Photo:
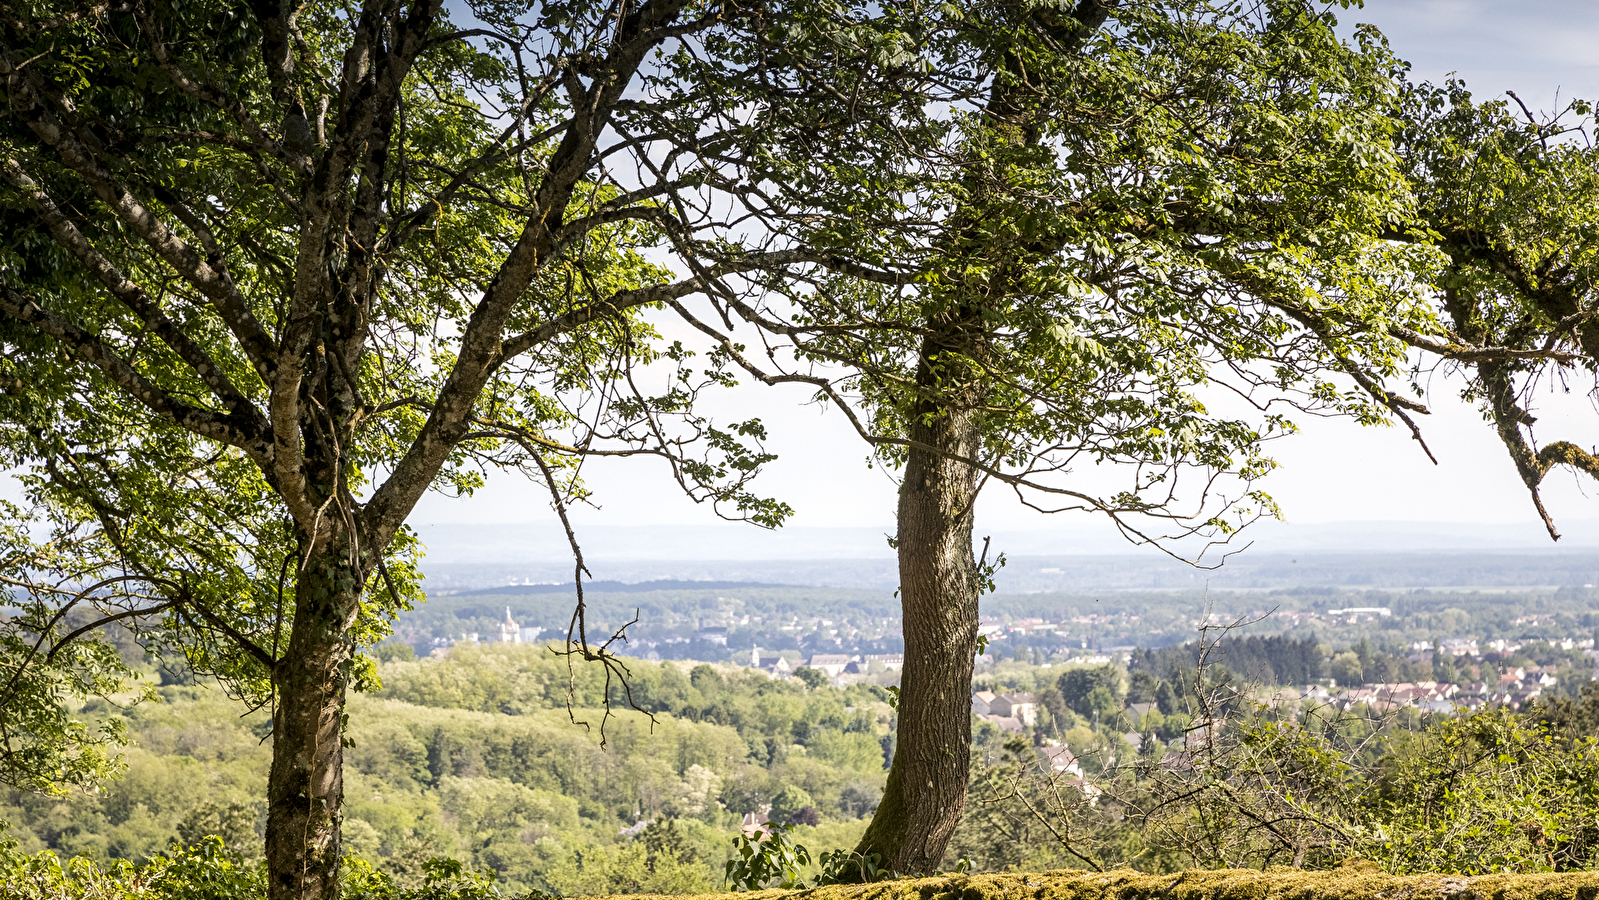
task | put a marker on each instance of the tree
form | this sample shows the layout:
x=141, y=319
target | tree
x=1054, y=703
x=790, y=802
x=271, y=272
x=1135, y=210
x=262, y=291
x=1347, y=669
x=813, y=678
x=666, y=840
x=1509, y=199
x=1141, y=687
x=1090, y=689
x=1312, y=788
x=1166, y=698
x=43, y=746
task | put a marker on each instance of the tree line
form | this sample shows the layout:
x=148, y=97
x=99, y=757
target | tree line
x=475, y=759
x=273, y=272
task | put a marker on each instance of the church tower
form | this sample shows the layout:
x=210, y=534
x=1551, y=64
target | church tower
x=509, y=632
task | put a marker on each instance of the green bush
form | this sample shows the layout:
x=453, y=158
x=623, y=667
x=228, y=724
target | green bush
x=208, y=870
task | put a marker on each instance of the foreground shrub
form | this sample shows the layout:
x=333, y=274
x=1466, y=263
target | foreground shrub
x=207, y=870
x=204, y=871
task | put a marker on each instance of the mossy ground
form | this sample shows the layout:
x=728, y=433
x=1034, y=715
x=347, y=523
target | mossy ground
x=1225, y=884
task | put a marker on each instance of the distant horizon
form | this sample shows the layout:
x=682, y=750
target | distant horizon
x=542, y=523
x=546, y=571
x=888, y=523
x=544, y=543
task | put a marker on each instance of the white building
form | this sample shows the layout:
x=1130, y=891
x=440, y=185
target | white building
x=831, y=663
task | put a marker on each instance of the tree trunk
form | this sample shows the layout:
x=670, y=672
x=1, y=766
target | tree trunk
x=926, y=789
x=305, y=791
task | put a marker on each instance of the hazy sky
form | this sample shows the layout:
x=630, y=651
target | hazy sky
x=1333, y=471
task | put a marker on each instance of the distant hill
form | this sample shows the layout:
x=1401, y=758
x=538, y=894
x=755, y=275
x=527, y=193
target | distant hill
x=1249, y=571
x=543, y=544
x=615, y=587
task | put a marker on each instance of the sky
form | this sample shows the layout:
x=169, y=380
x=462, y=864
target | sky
x=1333, y=471
x=1537, y=48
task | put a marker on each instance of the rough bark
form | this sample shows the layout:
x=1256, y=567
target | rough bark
x=305, y=790
x=926, y=789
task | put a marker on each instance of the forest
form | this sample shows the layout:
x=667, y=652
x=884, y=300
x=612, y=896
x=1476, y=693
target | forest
x=476, y=758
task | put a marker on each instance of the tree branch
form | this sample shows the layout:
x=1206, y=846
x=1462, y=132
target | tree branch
x=208, y=280
x=260, y=140
x=133, y=296
x=88, y=347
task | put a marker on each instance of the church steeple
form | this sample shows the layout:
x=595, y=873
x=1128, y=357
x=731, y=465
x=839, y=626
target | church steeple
x=510, y=633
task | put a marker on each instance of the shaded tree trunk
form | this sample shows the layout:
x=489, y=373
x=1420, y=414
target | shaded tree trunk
x=305, y=790
x=926, y=789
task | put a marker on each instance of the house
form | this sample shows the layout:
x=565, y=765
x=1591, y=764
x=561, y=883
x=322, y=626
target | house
x=1281, y=697
x=891, y=661
x=1201, y=734
x=776, y=666
x=1137, y=711
x=1180, y=761
x=983, y=703
x=1060, y=759
x=1020, y=706
x=715, y=634
x=832, y=664
x=1004, y=723
x=1024, y=707
x=1089, y=791
x=1518, y=699
x=1066, y=772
